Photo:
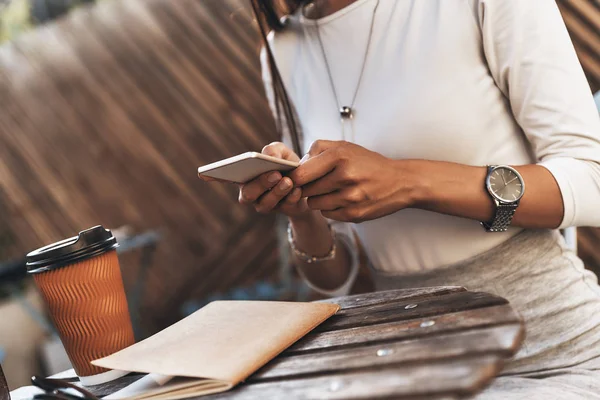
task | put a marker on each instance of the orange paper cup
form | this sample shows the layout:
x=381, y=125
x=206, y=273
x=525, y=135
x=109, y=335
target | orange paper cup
x=80, y=281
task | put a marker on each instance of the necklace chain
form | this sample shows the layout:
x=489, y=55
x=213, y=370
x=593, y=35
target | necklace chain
x=347, y=112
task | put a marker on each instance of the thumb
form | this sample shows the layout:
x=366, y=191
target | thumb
x=319, y=146
x=280, y=150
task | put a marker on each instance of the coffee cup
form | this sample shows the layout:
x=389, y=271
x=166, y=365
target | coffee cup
x=80, y=281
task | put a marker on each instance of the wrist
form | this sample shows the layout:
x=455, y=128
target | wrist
x=312, y=233
x=416, y=190
x=306, y=220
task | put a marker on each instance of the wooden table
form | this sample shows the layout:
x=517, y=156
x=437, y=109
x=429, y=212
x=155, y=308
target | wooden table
x=3, y=386
x=429, y=343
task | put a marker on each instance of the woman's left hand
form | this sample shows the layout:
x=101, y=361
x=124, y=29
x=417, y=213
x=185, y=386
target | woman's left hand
x=352, y=184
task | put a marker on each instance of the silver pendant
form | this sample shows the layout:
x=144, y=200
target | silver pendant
x=346, y=112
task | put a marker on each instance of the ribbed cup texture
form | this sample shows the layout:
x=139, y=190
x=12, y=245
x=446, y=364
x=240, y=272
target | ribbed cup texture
x=88, y=306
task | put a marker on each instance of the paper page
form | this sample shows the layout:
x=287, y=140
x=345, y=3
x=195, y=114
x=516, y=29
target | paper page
x=178, y=388
x=225, y=340
x=143, y=385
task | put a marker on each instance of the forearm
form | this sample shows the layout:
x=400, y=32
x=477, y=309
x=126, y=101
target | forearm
x=459, y=190
x=312, y=236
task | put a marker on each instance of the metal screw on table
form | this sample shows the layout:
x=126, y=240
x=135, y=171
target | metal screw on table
x=375, y=349
x=336, y=386
x=384, y=352
x=410, y=306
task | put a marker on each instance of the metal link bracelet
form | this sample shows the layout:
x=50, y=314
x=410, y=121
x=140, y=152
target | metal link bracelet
x=307, y=258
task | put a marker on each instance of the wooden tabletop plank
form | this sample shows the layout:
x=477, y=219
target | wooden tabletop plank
x=463, y=320
x=367, y=299
x=4, y=392
x=420, y=304
x=501, y=340
x=441, y=379
x=432, y=343
x=381, y=313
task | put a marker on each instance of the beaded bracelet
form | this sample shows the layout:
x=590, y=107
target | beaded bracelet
x=307, y=257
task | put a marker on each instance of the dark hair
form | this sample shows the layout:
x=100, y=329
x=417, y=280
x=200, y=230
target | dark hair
x=270, y=15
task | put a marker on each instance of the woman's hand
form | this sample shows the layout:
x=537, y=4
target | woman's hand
x=347, y=182
x=273, y=192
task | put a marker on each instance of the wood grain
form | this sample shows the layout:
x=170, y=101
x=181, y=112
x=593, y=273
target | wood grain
x=105, y=116
x=401, y=330
x=501, y=340
x=450, y=356
x=443, y=379
x=582, y=18
x=369, y=299
x=4, y=391
x=430, y=307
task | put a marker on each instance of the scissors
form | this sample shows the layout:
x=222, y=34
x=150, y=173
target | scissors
x=58, y=389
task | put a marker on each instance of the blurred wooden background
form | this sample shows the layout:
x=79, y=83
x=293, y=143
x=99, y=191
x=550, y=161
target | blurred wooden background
x=106, y=114
x=582, y=18
x=105, y=117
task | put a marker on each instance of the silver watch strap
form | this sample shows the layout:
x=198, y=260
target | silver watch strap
x=502, y=218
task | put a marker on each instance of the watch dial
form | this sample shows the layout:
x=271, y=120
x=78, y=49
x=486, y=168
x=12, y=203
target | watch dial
x=505, y=184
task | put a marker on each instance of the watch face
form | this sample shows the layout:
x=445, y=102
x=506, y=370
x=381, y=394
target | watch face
x=506, y=184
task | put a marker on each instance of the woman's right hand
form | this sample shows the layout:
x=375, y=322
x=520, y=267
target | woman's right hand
x=273, y=192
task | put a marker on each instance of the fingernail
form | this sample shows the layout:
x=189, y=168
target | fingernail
x=285, y=184
x=274, y=177
x=303, y=159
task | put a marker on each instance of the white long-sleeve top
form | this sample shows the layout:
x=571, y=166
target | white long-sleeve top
x=475, y=82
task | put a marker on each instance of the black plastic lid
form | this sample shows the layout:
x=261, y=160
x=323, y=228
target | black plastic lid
x=87, y=244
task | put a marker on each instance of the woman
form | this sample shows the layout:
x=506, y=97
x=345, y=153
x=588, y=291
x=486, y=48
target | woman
x=412, y=113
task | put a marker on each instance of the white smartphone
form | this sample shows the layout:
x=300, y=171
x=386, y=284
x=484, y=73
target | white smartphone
x=245, y=167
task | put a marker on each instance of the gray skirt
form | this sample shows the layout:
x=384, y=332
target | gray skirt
x=558, y=299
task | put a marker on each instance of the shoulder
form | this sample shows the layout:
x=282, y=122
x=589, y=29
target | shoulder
x=512, y=11
x=287, y=38
x=285, y=46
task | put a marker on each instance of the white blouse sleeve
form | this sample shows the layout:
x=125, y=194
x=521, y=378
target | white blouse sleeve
x=533, y=62
x=345, y=236
x=344, y=232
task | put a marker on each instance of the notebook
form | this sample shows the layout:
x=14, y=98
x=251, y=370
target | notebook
x=215, y=348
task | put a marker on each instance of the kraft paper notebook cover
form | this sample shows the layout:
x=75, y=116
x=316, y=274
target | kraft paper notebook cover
x=218, y=346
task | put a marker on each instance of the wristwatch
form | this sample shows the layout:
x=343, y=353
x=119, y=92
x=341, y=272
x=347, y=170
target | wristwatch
x=506, y=187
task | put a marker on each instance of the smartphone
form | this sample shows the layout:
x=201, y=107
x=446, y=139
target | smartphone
x=245, y=167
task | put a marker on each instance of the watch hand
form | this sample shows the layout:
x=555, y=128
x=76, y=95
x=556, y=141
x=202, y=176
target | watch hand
x=512, y=180
x=503, y=180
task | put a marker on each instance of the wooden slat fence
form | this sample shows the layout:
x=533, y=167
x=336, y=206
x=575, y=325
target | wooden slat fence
x=105, y=117
x=582, y=18
x=106, y=114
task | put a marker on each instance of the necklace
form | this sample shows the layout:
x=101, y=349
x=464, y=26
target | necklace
x=347, y=112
